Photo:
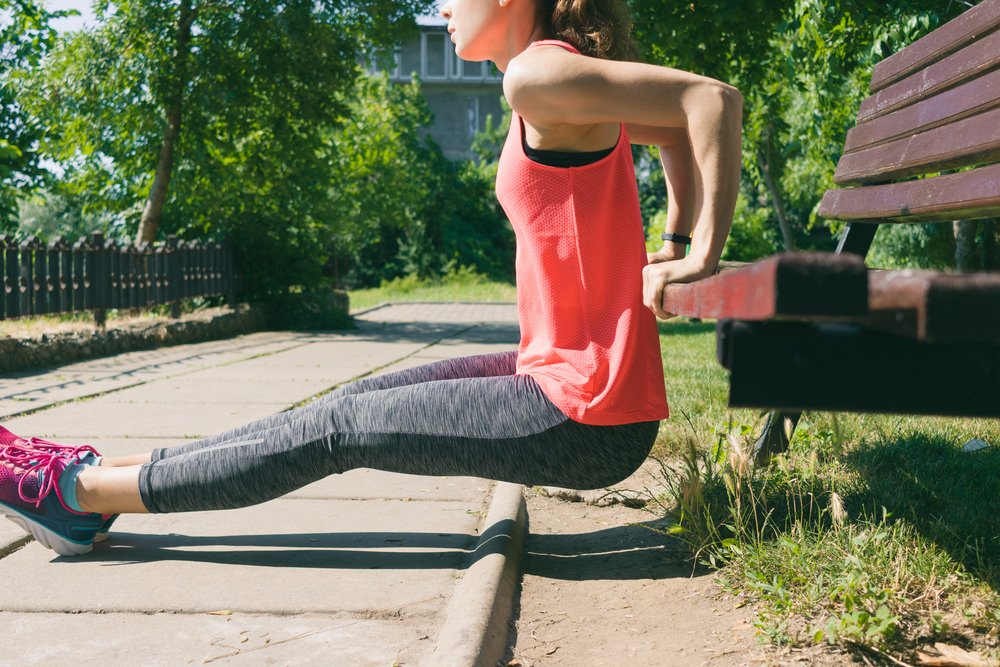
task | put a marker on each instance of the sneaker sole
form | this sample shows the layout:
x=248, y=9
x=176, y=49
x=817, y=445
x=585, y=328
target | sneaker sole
x=46, y=537
x=102, y=532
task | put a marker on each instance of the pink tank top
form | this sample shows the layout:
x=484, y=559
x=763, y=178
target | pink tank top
x=586, y=337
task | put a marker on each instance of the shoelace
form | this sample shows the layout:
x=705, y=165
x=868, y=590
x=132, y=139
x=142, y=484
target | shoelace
x=66, y=451
x=46, y=465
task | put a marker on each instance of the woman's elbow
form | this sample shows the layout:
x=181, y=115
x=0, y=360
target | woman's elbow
x=719, y=104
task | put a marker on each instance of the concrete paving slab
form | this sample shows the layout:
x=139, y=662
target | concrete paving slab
x=454, y=350
x=11, y=536
x=100, y=640
x=105, y=416
x=193, y=355
x=335, y=353
x=320, y=365
x=359, y=546
x=365, y=484
x=33, y=391
x=282, y=557
x=196, y=390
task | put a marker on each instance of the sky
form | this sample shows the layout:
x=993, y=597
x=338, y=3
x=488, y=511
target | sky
x=69, y=24
x=87, y=18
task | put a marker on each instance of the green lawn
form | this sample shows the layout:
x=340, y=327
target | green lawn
x=874, y=530
x=460, y=285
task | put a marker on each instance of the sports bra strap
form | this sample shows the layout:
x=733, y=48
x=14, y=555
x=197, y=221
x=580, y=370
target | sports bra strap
x=555, y=42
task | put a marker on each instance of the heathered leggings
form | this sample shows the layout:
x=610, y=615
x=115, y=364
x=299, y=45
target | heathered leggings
x=468, y=416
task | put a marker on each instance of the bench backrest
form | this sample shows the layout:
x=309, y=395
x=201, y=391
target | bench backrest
x=935, y=107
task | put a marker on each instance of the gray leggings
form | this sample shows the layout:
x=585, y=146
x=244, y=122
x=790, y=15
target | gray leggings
x=468, y=416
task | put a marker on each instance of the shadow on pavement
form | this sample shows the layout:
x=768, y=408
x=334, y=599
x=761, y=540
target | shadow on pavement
x=624, y=553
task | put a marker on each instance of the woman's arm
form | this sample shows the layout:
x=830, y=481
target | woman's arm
x=675, y=156
x=552, y=88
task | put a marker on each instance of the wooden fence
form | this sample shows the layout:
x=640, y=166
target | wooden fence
x=95, y=274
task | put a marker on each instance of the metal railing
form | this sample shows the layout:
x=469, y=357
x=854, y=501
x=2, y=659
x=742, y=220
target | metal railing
x=95, y=274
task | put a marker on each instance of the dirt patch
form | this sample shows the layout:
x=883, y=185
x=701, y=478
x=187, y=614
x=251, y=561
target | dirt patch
x=596, y=591
x=599, y=589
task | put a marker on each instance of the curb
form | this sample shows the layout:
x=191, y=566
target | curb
x=475, y=634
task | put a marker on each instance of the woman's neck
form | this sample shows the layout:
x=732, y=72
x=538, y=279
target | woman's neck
x=518, y=44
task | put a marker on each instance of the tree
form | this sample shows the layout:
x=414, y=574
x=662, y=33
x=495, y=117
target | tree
x=400, y=207
x=803, y=67
x=203, y=106
x=25, y=37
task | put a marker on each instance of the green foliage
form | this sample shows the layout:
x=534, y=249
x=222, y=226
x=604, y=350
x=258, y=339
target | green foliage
x=913, y=246
x=25, y=38
x=48, y=215
x=261, y=89
x=752, y=236
x=717, y=38
x=803, y=67
x=310, y=311
x=402, y=207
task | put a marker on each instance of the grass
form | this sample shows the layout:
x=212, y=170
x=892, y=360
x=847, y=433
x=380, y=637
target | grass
x=462, y=284
x=873, y=530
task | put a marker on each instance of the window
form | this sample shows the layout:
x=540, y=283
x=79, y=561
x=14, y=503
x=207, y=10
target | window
x=389, y=65
x=435, y=58
x=471, y=70
x=410, y=59
x=473, y=115
x=456, y=62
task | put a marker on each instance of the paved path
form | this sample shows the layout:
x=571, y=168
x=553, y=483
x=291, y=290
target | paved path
x=356, y=569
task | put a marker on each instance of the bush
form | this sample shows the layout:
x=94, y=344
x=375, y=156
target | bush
x=401, y=207
x=753, y=235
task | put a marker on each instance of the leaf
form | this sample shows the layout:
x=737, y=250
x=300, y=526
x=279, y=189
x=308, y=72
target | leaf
x=946, y=655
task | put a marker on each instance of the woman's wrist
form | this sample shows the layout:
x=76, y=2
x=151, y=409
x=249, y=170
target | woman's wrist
x=701, y=265
x=672, y=251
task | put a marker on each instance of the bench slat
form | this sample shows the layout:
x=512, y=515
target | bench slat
x=972, y=141
x=947, y=39
x=964, y=196
x=967, y=100
x=954, y=70
x=933, y=306
x=790, y=285
x=829, y=367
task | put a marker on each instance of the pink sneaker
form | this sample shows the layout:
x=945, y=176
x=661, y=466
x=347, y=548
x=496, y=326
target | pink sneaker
x=27, y=480
x=20, y=448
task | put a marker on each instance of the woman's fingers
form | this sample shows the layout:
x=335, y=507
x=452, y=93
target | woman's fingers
x=654, y=279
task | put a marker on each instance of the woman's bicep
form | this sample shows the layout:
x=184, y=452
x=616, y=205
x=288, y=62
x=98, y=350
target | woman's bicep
x=649, y=135
x=549, y=85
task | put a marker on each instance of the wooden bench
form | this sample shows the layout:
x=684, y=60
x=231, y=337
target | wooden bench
x=819, y=331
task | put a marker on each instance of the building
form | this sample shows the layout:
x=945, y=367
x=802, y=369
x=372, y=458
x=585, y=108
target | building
x=460, y=93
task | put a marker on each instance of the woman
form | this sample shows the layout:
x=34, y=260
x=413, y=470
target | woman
x=579, y=403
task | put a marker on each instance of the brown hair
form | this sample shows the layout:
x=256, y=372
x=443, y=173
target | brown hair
x=597, y=28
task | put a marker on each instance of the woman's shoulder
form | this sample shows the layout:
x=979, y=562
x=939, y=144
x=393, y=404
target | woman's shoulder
x=538, y=79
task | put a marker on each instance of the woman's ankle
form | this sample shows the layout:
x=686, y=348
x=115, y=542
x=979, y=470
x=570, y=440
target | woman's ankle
x=124, y=461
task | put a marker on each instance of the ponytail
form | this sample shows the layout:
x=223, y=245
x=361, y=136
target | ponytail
x=597, y=28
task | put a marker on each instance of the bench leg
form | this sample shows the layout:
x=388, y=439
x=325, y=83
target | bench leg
x=773, y=439
x=857, y=238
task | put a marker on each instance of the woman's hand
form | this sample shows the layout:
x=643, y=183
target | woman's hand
x=661, y=272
